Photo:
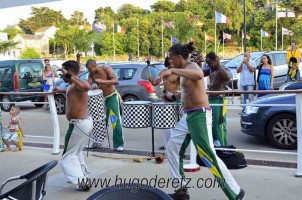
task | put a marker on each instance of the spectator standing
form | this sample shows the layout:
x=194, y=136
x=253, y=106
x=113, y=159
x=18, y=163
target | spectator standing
x=48, y=81
x=247, y=81
x=265, y=74
x=293, y=57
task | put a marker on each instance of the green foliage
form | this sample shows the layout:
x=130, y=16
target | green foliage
x=75, y=33
x=5, y=46
x=12, y=32
x=77, y=18
x=41, y=17
x=30, y=53
x=163, y=6
x=183, y=30
x=64, y=37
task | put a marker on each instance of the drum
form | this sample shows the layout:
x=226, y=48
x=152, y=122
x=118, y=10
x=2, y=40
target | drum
x=165, y=115
x=96, y=107
x=136, y=114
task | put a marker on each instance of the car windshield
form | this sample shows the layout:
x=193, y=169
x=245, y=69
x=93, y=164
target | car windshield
x=235, y=62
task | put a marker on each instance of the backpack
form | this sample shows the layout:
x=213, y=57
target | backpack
x=232, y=159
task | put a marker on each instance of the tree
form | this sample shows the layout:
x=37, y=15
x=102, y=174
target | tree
x=128, y=10
x=12, y=32
x=77, y=18
x=7, y=45
x=183, y=30
x=163, y=6
x=30, y=53
x=103, y=14
x=41, y=17
x=64, y=37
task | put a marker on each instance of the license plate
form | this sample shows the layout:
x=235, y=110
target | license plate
x=34, y=84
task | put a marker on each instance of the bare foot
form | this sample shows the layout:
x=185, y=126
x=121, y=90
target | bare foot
x=16, y=149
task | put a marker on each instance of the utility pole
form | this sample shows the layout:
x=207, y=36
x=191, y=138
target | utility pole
x=244, y=26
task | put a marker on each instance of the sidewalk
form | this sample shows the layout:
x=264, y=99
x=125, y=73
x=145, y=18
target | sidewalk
x=263, y=183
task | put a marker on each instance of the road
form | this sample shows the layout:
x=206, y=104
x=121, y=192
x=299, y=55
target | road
x=37, y=122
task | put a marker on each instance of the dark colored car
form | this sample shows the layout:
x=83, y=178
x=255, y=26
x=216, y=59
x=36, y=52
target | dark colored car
x=20, y=76
x=133, y=83
x=276, y=123
x=291, y=86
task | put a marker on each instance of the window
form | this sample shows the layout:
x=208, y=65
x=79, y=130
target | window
x=5, y=72
x=117, y=72
x=151, y=70
x=30, y=70
x=128, y=73
x=280, y=59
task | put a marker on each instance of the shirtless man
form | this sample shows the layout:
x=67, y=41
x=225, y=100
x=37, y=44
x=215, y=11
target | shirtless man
x=171, y=85
x=195, y=124
x=80, y=124
x=105, y=79
x=219, y=77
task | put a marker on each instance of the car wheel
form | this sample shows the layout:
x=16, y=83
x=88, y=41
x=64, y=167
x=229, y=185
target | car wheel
x=38, y=100
x=60, y=102
x=6, y=106
x=130, y=98
x=282, y=131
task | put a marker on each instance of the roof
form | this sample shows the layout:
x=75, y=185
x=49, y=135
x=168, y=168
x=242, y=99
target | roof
x=43, y=29
x=30, y=37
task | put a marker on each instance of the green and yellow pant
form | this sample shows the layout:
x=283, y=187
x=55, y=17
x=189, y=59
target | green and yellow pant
x=112, y=103
x=219, y=129
x=197, y=125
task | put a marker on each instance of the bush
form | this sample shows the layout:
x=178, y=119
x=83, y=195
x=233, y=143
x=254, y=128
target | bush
x=30, y=53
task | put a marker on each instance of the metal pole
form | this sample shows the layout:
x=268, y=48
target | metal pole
x=282, y=39
x=113, y=42
x=215, y=38
x=162, y=38
x=137, y=40
x=244, y=26
x=299, y=134
x=55, y=124
x=276, y=43
x=261, y=40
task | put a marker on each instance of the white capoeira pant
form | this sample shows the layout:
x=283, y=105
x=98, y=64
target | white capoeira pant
x=72, y=163
x=197, y=125
x=166, y=135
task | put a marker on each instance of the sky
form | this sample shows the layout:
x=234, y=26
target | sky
x=10, y=16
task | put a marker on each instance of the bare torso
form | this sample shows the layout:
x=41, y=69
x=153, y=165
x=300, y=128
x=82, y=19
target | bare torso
x=193, y=92
x=102, y=73
x=77, y=103
x=171, y=83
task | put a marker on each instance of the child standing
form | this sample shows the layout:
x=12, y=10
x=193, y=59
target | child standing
x=15, y=133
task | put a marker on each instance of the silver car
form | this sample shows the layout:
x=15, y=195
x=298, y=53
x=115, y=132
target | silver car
x=278, y=60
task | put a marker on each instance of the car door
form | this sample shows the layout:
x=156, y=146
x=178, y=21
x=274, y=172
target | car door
x=280, y=69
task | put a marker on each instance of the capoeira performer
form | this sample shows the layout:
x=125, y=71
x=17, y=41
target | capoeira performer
x=80, y=125
x=171, y=87
x=105, y=79
x=195, y=124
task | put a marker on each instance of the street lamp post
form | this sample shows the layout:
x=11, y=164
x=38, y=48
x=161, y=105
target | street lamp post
x=244, y=26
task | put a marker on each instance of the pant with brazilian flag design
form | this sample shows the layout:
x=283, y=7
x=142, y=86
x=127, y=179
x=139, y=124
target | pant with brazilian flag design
x=112, y=103
x=197, y=125
x=219, y=120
